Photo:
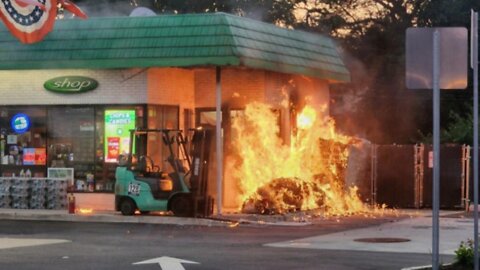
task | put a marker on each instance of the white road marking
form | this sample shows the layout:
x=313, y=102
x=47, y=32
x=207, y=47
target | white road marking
x=6, y=243
x=167, y=263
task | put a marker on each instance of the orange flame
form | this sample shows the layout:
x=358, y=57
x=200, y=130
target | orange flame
x=306, y=118
x=308, y=174
x=85, y=211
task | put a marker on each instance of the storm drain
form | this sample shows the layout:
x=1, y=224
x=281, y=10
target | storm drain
x=381, y=240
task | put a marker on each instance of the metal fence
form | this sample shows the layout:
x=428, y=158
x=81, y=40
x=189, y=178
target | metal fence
x=400, y=176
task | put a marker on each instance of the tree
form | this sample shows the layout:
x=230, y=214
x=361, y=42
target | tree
x=372, y=33
x=275, y=11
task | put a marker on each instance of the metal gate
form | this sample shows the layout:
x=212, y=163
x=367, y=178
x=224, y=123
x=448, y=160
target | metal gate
x=395, y=176
x=401, y=176
x=452, y=177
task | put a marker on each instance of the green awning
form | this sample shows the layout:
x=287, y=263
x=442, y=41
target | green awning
x=192, y=40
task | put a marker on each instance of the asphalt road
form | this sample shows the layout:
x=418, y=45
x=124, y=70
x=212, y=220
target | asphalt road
x=118, y=246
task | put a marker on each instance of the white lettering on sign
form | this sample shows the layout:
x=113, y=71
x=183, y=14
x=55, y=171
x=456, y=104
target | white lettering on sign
x=120, y=119
x=134, y=189
x=72, y=85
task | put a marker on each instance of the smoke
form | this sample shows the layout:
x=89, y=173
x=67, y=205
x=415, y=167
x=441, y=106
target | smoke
x=255, y=13
x=347, y=100
x=376, y=104
x=106, y=8
x=352, y=94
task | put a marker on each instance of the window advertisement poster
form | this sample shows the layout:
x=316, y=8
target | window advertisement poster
x=118, y=124
x=29, y=156
x=34, y=156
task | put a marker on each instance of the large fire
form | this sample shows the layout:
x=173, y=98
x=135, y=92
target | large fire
x=307, y=174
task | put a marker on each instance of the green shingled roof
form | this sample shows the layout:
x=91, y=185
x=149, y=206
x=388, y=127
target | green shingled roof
x=176, y=41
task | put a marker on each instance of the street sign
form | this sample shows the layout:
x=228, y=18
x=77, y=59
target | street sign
x=453, y=49
x=436, y=58
x=474, y=66
x=167, y=263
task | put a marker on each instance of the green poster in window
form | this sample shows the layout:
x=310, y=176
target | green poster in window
x=118, y=124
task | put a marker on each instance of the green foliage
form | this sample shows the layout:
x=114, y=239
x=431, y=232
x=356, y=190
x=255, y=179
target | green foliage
x=460, y=128
x=372, y=33
x=274, y=11
x=464, y=254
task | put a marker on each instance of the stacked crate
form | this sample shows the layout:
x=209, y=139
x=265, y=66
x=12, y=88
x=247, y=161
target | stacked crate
x=19, y=191
x=5, y=199
x=33, y=193
x=56, y=197
x=38, y=193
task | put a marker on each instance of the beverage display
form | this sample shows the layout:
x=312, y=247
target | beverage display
x=33, y=193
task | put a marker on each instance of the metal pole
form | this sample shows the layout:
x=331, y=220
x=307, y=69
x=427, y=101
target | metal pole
x=467, y=179
x=373, y=174
x=219, y=138
x=464, y=165
x=475, y=134
x=436, y=149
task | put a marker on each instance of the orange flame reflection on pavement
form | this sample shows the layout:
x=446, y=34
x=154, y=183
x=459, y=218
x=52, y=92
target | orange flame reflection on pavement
x=85, y=211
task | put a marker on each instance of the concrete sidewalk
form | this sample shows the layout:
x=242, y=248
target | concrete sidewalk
x=408, y=235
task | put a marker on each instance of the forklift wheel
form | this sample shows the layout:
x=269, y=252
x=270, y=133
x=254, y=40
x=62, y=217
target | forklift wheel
x=127, y=207
x=181, y=206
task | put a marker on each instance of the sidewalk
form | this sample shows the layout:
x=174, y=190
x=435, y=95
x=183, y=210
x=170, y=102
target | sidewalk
x=418, y=220
x=228, y=219
x=406, y=235
x=107, y=217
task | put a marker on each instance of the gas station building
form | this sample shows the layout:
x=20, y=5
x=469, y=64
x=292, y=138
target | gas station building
x=74, y=88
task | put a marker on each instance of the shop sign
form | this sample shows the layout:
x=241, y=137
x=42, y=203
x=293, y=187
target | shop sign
x=20, y=123
x=70, y=84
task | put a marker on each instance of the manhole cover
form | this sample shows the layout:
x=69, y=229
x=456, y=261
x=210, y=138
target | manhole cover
x=382, y=240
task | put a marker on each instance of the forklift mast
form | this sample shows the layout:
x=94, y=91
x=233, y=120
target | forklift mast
x=169, y=137
x=200, y=152
x=195, y=148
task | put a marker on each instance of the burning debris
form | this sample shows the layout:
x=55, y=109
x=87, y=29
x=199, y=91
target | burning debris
x=276, y=178
x=283, y=195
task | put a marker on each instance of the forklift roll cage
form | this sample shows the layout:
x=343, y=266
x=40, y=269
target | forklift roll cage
x=168, y=139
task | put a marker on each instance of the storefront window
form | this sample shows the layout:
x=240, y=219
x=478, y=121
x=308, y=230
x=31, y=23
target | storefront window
x=161, y=117
x=71, y=142
x=23, y=141
x=35, y=140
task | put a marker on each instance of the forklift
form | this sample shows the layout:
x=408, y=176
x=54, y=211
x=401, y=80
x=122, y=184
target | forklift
x=141, y=185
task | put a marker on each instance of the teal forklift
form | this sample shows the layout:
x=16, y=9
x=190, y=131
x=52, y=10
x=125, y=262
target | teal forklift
x=142, y=187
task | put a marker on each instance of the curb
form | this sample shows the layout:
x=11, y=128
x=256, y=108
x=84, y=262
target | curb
x=105, y=218
x=113, y=217
x=424, y=267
